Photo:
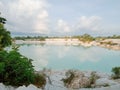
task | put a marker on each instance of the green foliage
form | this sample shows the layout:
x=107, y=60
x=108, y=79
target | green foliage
x=114, y=37
x=2, y=20
x=40, y=38
x=86, y=38
x=5, y=38
x=116, y=72
x=15, y=69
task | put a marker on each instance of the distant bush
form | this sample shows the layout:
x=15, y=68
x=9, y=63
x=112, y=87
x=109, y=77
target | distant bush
x=86, y=38
x=40, y=38
x=116, y=72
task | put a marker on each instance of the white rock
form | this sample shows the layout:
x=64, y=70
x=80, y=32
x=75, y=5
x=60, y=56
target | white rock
x=3, y=87
x=105, y=81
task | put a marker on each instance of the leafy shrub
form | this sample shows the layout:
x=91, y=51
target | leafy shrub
x=86, y=38
x=116, y=72
x=40, y=80
x=69, y=77
x=15, y=69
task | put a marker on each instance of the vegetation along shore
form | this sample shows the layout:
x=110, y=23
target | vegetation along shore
x=110, y=42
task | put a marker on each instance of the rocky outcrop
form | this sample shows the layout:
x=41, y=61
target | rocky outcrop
x=77, y=79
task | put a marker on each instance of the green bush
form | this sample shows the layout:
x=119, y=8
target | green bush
x=86, y=38
x=15, y=69
x=116, y=72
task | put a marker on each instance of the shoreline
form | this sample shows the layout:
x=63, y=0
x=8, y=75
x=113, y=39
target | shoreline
x=113, y=44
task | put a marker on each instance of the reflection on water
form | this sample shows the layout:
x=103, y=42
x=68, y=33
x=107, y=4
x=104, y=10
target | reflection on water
x=71, y=57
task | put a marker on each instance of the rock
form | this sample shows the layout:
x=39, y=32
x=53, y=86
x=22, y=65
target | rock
x=103, y=75
x=3, y=87
x=85, y=82
x=77, y=80
x=105, y=82
x=30, y=87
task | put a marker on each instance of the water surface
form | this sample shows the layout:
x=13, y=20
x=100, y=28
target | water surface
x=61, y=57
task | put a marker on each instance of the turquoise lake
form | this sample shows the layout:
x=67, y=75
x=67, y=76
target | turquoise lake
x=60, y=57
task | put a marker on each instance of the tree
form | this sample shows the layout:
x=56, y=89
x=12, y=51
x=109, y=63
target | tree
x=5, y=38
x=15, y=69
x=2, y=20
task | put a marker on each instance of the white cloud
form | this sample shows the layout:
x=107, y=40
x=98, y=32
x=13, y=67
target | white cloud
x=63, y=26
x=42, y=22
x=92, y=23
x=32, y=16
x=1, y=4
x=27, y=15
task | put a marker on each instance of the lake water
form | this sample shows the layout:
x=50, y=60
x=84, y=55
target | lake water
x=60, y=57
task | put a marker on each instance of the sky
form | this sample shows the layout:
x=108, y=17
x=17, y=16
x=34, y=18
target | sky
x=62, y=17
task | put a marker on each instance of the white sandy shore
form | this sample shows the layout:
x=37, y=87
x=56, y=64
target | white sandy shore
x=56, y=42
x=62, y=41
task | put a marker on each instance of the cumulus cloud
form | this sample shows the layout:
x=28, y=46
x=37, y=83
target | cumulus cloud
x=26, y=15
x=92, y=23
x=0, y=4
x=31, y=16
x=84, y=24
x=63, y=26
x=42, y=22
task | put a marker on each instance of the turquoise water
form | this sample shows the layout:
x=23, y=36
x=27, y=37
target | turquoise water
x=61, y=57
